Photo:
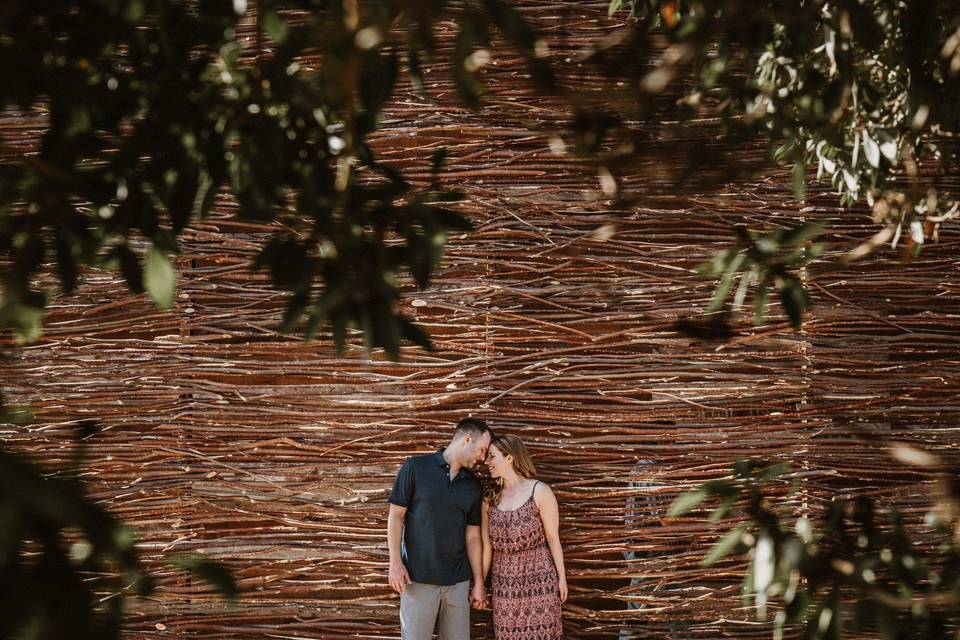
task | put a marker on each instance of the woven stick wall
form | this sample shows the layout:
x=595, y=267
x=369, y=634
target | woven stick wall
x=275, y=456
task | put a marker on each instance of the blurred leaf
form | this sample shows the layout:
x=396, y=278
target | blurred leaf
x=159, y=277
x=760, y=298
x=871, y=150
x=275, y=26
x=773, y=471
x=66, y=261
x=720, y=488
x=723, y=509
x=436, y=161
x=725, y=546
x=213, y=573
x=514, y=26
x=795, y=301
x=452, y=220
x=295, y=308
x=414, y=333
x=130, y=268
x=800, y=181
x=686, y=501
x=726, y=282
x=467, y=87
x=205, y=196
x=413, y=61
x=377, y=78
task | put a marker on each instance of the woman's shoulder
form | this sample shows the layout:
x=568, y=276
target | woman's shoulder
x=542, y=491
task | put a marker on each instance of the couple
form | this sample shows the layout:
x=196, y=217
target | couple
x=442, y=530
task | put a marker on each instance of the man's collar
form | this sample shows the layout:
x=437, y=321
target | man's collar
x=438, y=458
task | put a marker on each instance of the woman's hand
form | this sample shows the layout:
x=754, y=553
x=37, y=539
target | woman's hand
x=563, y=589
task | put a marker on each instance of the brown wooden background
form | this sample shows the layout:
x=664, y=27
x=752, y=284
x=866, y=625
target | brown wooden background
x=224, y=437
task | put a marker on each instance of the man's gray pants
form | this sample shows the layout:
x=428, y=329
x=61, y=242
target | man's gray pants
x=424, y=605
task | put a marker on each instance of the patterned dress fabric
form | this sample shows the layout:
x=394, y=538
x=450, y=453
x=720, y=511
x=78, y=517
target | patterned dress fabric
x=526, y=594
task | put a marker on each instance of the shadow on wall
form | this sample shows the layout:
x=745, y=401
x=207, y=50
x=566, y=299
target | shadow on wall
x=644, y=509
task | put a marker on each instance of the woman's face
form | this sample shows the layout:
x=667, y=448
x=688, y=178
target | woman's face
x=497, y=462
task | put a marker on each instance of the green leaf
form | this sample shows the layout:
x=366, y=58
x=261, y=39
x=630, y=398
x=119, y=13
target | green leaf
x=773, y=471
x=467, y=87
x=784, y=150
x=339, y=326
x=723, y=509
x=159, y=277
x=718, y=263
x=800, y=181
x=414, y=333
x=802, y=233
x=795, y=301
x=413, y=60
x=760, y=299
x=723, y=289
x=512, y=23
x=436, y=161
x=275, y=26
x=206, y=194
x=725, y=545
x=451, y=219
x=66, y=260
x=871, y=149
x=213, y=573
x=24, y=316
x=686, y=502
x=720, y=488
x=378, y=76
x=130, y=267
x=295, y=308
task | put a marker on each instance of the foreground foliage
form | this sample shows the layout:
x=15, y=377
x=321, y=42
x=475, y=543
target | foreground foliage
x=154, y=110
x=867, y=92
x=854, y=569
x=68, y=567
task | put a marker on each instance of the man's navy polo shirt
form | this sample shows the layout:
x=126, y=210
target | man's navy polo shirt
x=434, y=544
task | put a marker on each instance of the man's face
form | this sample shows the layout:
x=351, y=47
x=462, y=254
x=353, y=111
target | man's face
x=477, y=447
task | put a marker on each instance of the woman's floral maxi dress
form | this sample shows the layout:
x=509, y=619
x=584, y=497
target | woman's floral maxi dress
x=526, y=594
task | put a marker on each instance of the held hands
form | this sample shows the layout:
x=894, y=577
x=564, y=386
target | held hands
x=399, y=578
x=478, y=596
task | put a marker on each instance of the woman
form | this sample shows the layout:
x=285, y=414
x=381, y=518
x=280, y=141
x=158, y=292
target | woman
x=519, y=528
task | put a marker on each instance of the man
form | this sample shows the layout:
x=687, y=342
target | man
x=433, y=533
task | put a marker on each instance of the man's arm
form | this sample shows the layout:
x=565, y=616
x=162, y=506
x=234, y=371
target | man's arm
x=399, y=578
x=478, y=597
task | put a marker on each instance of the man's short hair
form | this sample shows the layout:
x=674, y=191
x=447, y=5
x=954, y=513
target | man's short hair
x=472, y=426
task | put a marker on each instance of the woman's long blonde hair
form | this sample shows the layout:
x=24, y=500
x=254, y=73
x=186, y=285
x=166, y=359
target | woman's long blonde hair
x=522, y=462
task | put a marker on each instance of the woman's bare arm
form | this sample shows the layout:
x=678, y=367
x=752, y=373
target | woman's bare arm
x=550, y=515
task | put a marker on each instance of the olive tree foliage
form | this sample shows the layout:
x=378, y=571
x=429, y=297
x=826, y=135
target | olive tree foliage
x=154, y=108
x=67, y=566
x=854, y=568
x=865, y=92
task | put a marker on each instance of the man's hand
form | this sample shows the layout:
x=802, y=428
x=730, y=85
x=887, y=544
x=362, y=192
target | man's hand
x=478, y=596
x=399, y=578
